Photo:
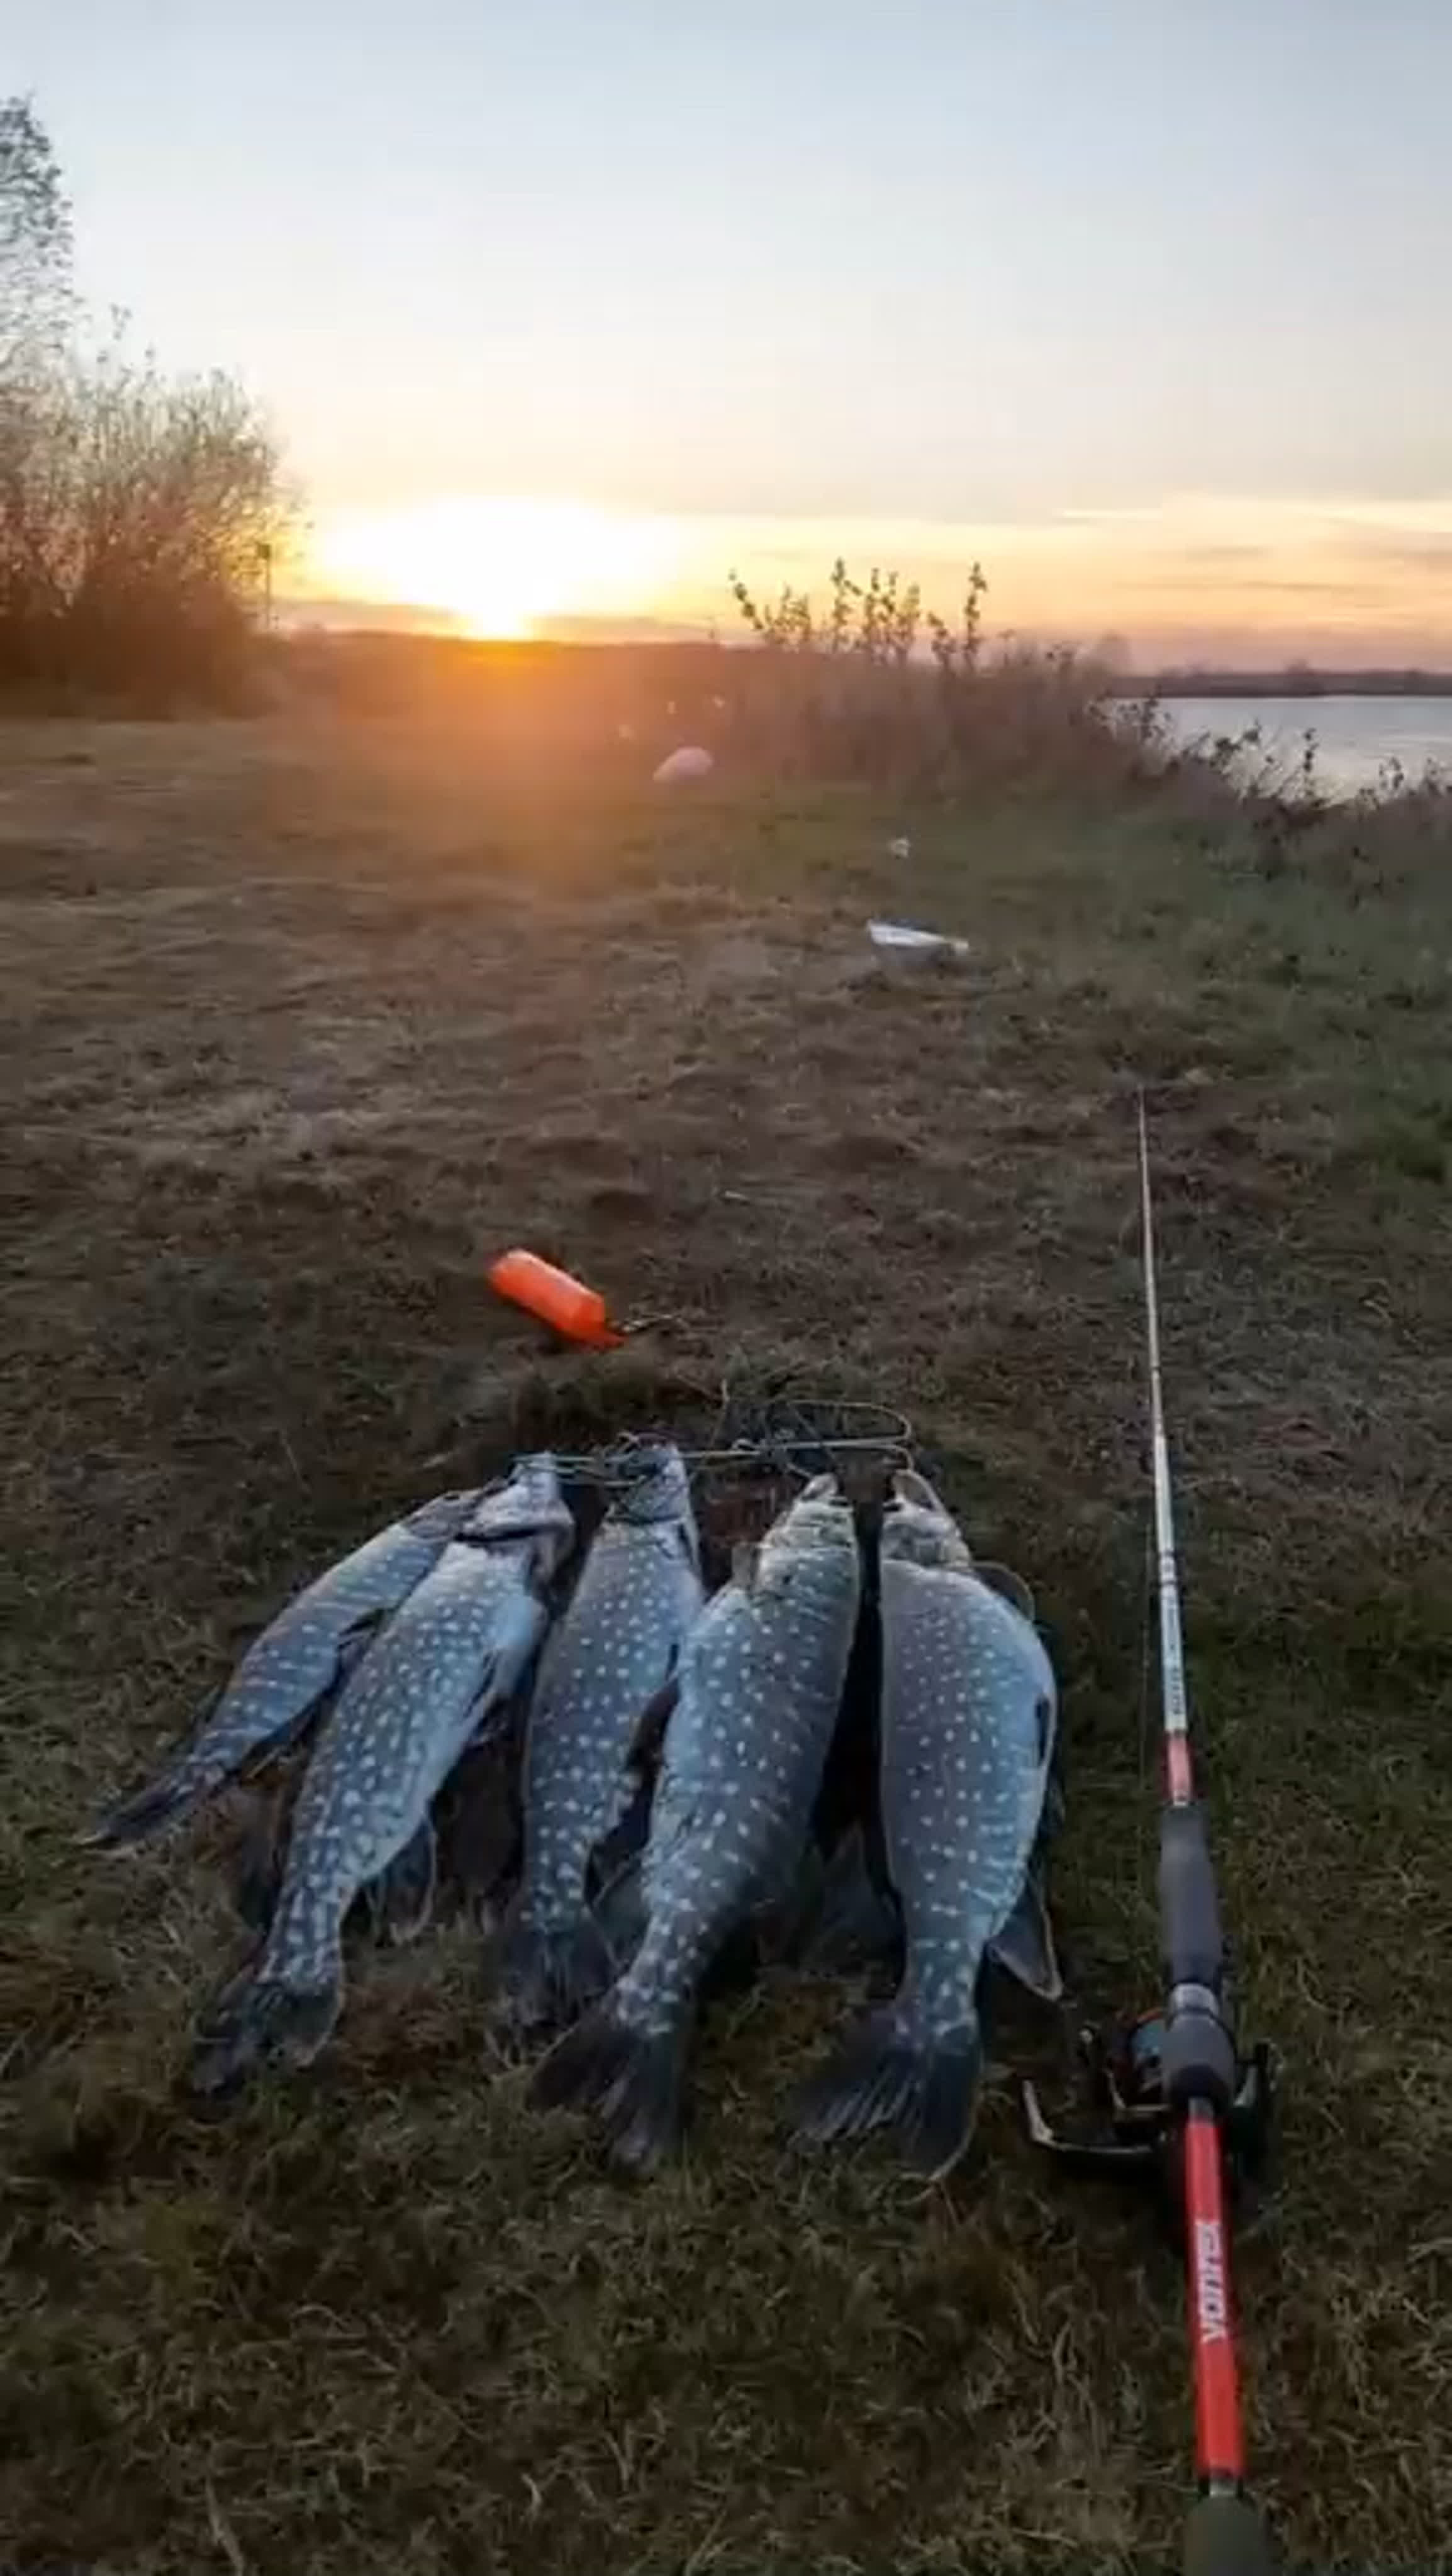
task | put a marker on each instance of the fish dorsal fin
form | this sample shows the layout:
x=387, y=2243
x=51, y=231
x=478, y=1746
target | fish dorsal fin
x=1010, y=1586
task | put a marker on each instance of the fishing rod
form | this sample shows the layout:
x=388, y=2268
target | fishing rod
x=1179, y=2102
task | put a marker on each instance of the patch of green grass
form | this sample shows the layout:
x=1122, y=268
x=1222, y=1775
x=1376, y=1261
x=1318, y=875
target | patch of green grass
x=300, y=1026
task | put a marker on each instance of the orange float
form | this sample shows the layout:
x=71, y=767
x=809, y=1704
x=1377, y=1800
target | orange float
x=564, y=1303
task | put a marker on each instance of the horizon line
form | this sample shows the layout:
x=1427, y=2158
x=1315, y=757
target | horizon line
x=401, y=620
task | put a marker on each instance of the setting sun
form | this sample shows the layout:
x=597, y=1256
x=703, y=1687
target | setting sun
x=497, y=567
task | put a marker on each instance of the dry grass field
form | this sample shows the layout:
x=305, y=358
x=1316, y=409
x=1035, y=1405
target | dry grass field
x=300, y=1023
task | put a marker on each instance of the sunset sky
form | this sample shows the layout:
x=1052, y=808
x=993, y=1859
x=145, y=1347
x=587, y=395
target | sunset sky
x=563, y=310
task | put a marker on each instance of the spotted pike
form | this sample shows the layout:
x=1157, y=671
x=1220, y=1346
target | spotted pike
x=289, y=1670
x=761, y=1680
x=448, y=1662
x=968, y=1711
x=613, y=1653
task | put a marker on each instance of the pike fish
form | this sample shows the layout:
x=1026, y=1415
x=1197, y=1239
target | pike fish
x=445, y=1667
x=761, y=1681
x=614, y=1652
x=289, y=1670
x=968, y=1716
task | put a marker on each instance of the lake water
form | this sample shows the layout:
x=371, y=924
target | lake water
x=1354, y=736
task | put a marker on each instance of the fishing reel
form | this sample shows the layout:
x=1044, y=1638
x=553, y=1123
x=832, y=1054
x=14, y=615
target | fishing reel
x=1137, y=2136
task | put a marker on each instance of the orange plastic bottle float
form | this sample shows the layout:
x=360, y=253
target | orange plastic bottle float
x=571, y=1309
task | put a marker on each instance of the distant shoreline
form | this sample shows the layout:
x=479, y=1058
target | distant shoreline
x=1281, y=684
x=402, y=639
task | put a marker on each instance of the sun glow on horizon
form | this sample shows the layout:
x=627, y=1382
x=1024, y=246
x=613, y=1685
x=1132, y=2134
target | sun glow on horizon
x=1184, y=579
x=498, y=567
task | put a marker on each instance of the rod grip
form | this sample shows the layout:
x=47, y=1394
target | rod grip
x=1199, y=2051
x=1226, y=2536
x=1189, y=1906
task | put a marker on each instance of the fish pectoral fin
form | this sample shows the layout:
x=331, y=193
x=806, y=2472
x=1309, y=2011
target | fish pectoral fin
x=642, y=1762
x=1025, y=1947
x=401, y=1897
x=1010, y=1587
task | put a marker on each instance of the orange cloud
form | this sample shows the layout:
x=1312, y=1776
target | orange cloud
x=1262, y=580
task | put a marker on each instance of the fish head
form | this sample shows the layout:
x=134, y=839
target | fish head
x=529, y=1505
x=649, y=1483
x=918, y=1528
x=443, y=1515
x=819, y=1521
x=652, y=1491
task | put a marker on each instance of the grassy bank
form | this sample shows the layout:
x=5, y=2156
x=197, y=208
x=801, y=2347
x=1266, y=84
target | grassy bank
x=303, y=1019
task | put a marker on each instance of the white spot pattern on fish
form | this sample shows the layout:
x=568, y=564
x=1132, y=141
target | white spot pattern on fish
x=292, y=1666
x=636, y=1602
x=760, y=1687
x=965, y=1680
x=454, y=1652
x=966, y=1724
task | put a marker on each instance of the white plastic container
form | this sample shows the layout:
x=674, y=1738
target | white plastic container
x=905, y=934
x=691, y=761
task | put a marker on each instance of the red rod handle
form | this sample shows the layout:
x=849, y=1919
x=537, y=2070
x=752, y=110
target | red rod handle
x=1219, y=2443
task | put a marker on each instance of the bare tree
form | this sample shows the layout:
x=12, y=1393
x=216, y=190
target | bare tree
x=35, y=241
x=139, y=513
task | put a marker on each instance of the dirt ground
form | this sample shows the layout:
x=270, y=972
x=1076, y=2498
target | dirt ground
x=301, y=1025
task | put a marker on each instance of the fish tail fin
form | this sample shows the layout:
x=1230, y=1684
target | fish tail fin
x=546, y=1973
x=135, y=1819
x=633, y=2076
x=262, y=2016
x=890, y=2074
